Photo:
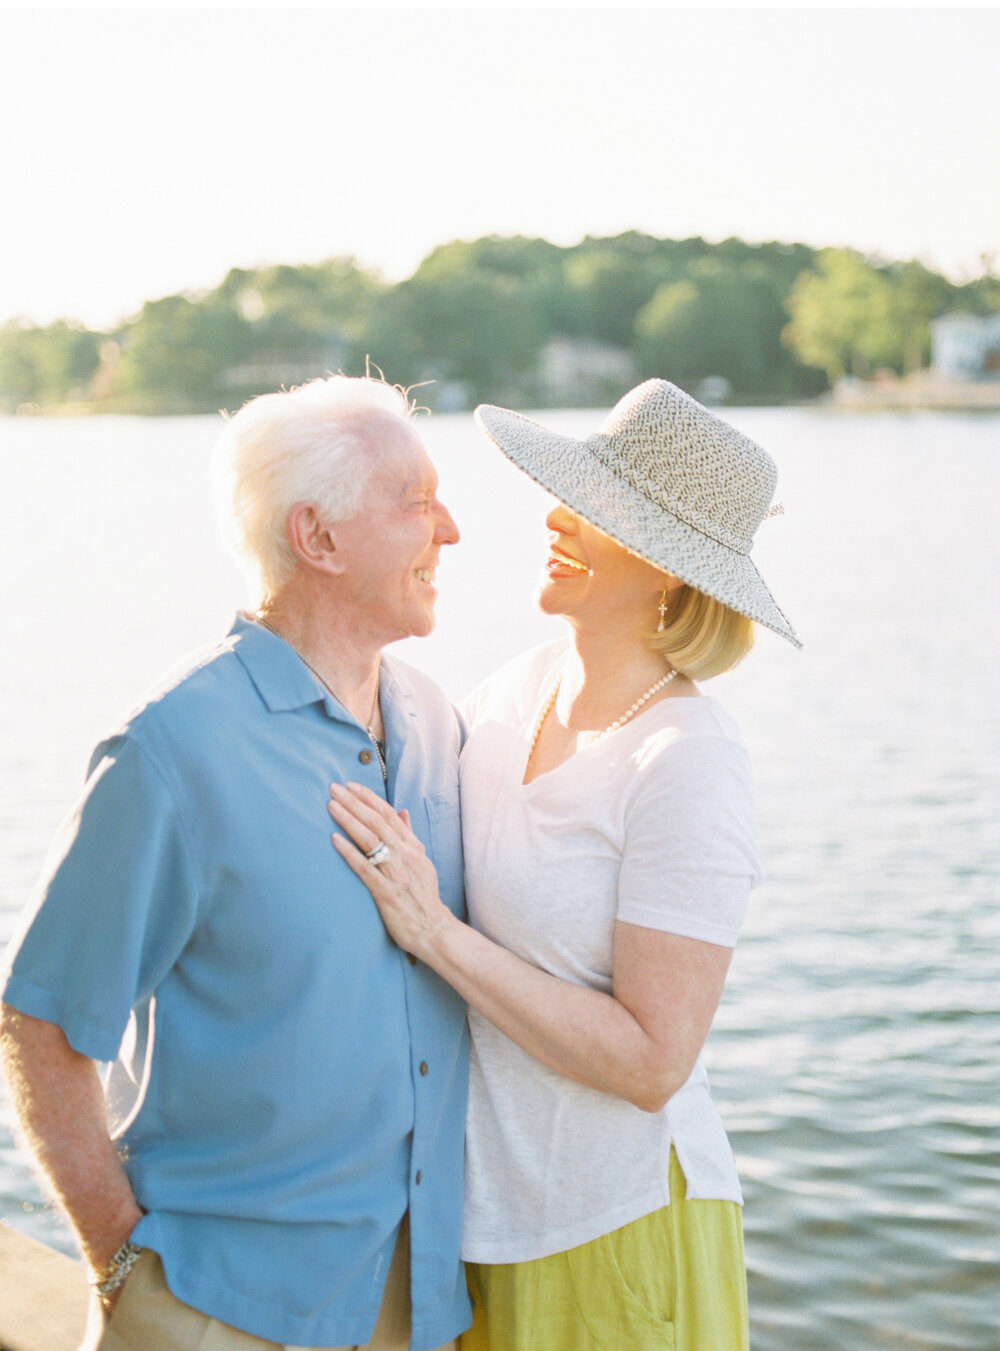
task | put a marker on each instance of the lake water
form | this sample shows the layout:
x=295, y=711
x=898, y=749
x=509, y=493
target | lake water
x=856, y=1057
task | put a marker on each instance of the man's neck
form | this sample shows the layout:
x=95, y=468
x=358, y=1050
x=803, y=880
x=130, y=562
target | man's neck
x=343, y=660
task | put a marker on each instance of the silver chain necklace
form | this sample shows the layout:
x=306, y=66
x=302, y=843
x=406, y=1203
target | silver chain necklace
x=379, y=745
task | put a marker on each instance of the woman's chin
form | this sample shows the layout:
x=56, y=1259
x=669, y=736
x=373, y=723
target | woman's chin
x=548, y=598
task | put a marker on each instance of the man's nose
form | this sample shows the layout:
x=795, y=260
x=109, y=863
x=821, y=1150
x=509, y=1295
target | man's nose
x=447, y=530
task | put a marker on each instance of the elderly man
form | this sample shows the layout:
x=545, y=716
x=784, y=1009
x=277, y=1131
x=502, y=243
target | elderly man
x=277, y=1156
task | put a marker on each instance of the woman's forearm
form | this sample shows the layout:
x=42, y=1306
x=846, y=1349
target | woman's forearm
x=639, y=1043
x=578, y=1032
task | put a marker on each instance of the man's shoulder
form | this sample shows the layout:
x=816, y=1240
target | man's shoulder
x=427, y=694
x=188, y=698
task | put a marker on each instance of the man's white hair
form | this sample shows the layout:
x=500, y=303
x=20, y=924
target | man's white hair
x=308, y=444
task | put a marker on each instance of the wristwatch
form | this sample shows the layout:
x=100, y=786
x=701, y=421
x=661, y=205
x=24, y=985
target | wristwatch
x=109, y=1281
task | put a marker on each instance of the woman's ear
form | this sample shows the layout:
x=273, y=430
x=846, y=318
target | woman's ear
x=669, y=584
x=312, y=542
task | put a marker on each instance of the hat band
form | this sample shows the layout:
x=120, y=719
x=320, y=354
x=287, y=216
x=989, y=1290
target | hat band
x=742, y=549
x=619, y=467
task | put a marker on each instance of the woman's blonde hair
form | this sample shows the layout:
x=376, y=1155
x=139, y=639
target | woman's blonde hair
x=702, y=637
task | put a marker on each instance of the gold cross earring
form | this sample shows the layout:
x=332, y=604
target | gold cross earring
x=663, y=613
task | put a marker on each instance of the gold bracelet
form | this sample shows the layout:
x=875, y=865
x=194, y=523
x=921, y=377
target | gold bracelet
x=105, y=1283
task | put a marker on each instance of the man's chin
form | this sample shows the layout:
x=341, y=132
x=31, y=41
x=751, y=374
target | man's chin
x=422, y=626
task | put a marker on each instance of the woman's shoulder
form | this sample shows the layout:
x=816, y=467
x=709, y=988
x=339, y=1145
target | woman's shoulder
x=689, y=742
x=512, y=692
x=689, y=811
x=700, y=716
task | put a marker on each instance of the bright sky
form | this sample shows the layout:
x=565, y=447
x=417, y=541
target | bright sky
x=145, y=151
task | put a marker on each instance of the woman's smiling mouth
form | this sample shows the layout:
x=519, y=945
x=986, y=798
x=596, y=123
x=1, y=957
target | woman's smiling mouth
x=560, y=564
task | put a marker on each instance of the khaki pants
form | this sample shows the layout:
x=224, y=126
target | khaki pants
x=148, y=1317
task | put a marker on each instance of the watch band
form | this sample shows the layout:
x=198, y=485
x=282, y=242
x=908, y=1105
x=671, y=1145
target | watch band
x=112, y=1278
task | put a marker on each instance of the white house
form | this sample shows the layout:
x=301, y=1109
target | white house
x=583, y=370
x=966, y=346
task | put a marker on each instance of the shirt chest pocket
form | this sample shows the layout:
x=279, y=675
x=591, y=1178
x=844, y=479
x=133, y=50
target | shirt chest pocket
x=444, y=845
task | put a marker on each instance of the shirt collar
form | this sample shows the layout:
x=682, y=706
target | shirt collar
x=280, y=676
x=284, y=682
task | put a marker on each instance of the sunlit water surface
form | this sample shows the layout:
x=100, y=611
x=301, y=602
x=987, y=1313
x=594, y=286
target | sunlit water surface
x=855, y=1058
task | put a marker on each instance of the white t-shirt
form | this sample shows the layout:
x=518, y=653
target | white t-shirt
x=652, y=824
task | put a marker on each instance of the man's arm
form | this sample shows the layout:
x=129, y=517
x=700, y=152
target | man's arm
x=58, y=1097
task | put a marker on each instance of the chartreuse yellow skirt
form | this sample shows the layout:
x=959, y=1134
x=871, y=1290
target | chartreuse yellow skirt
x=674, y=1280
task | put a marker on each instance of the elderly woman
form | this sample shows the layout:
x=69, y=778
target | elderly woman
x=610, y=851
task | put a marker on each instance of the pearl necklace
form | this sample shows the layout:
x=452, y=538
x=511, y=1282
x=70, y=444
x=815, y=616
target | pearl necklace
x=612, y=727
x=379, y=745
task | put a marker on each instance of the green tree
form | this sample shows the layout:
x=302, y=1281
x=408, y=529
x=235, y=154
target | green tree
x=20, y=375
x=173, y=357
x=669, y=334
x=296, y=311
x=844, y=319
x=609, y=281
x=258, y=329
x=469, y=329
x=918, y=296
x=47, y=366
x=533, y=266
x=775, y=319
x=606, y=293
x=724, y=319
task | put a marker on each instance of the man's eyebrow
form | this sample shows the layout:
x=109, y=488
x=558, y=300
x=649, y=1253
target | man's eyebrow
x=425, y=483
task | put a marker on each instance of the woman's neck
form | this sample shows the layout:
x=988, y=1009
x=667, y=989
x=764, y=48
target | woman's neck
x=604, y=674
x=604, y=682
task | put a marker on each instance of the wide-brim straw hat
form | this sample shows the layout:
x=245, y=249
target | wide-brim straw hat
x=667, y=479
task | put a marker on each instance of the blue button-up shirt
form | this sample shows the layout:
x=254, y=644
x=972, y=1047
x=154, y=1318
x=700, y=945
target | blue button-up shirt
x=274, y=1111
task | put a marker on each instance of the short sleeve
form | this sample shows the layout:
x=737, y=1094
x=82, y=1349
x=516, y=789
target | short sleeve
x=471, y=706
x=115, y=905
x=691, y=854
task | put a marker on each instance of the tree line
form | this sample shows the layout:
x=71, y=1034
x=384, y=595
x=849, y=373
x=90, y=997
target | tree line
x=510, y=320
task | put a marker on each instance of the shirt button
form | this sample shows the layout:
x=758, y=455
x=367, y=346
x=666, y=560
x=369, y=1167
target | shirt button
x=411, y=959
x=423, y=1067
x=419, y=1177
x=365, y=757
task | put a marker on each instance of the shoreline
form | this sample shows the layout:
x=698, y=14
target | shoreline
x=923, y=391
x=909, y=394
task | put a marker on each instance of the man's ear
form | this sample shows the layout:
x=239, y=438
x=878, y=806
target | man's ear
x=312, y=542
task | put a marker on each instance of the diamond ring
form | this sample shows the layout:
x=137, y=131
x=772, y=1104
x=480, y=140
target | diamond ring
x=380, y=854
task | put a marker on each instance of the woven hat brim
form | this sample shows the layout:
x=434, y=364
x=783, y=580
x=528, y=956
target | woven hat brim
x=569, y=469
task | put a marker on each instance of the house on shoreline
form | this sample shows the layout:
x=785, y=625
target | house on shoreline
x=964, y=373
x=966, y=346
